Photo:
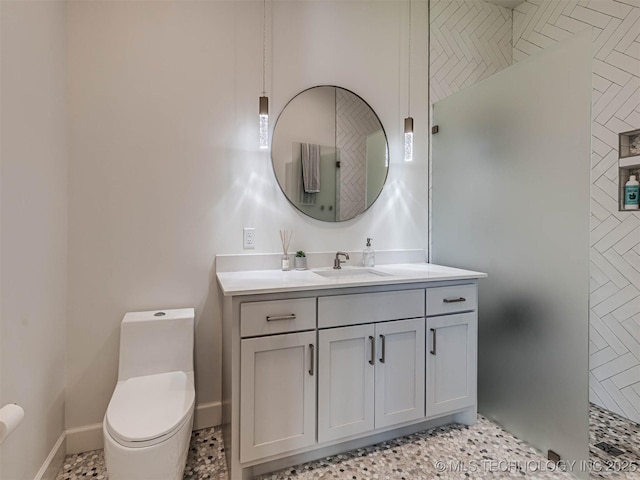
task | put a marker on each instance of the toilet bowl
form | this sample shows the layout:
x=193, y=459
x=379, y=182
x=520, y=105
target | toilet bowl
x=148, y=423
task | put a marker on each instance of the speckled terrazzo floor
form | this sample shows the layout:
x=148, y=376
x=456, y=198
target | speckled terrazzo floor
x=450, y=452
x=205, y=460
x=618, y=432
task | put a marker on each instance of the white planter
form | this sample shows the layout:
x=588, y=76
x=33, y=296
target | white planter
x=301, y=263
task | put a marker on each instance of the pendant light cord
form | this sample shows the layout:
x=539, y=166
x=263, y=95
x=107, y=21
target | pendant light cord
x=429, y=119
x=264, y=45
x=409, y=62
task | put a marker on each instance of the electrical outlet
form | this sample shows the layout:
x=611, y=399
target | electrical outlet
x=249, y=238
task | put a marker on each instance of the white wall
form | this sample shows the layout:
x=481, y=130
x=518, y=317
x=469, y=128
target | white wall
x=165, y=169
x=34, y=229
x=614, y=340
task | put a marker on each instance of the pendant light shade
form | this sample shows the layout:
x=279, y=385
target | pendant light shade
x=263, y=108
x=264, y=122
x=408, y=122
x=408, y=139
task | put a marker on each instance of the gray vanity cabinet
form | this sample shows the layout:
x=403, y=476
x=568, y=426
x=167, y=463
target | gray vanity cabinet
x=371, y=375
x=451, y=358
x=277, y=378
x=400, y=368
x=451, y=363
x=278, y=402
x=346, y=382
x=312, y=373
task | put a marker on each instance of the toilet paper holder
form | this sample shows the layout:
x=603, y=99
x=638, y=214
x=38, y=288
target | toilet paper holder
x=11, y=416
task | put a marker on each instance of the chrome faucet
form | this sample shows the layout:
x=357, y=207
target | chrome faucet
x=337, y=261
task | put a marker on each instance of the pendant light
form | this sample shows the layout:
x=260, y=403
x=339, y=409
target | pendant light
x=263, y=108
x=408, y=122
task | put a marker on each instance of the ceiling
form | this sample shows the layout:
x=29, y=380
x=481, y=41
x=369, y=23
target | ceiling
x=507, y=3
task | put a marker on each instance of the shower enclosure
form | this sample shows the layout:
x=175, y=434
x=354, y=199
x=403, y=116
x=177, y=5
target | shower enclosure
x=471, y=40
x=510, y=197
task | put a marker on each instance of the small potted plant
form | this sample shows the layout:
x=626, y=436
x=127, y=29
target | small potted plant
x=300, y=260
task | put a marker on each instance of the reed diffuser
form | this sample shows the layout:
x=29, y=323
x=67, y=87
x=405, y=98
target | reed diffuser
x=285, y=238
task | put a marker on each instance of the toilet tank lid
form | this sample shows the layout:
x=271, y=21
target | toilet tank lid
x=155, y=315
x=151, y=406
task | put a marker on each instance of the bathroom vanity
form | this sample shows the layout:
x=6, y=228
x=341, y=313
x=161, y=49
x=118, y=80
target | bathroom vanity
x=322, y=361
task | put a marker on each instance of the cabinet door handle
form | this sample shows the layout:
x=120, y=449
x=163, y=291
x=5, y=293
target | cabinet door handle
x=372, y=360
x=433, y=335
x=273, y=318
x=383, y=348
x=313, y=358
x=454, y=300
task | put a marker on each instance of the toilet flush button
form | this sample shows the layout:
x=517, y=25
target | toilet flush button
x=159, y=314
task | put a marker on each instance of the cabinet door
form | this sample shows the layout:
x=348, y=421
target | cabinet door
x=451, y=363
x=278, y=394
x=345, y=381
x=399, y=375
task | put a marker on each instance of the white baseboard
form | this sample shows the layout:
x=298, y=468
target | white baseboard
x=207, y=415
x=84, y=439
x=89, y=437
x=54, y=460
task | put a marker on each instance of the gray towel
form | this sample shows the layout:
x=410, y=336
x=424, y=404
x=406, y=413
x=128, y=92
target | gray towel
x=310, y=156
x=307, y=198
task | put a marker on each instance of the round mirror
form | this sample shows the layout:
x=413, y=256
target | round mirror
x=330, y=153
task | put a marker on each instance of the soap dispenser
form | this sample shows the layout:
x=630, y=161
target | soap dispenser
x=368, y=255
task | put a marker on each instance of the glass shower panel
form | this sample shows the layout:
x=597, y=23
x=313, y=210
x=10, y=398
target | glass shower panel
x=511, y=167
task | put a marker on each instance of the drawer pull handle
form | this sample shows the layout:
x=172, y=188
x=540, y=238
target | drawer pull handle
x=454, y=300
x=372, y=360
x=433, y=335
x=313, y=359
x=383, y=352
x=291, y=316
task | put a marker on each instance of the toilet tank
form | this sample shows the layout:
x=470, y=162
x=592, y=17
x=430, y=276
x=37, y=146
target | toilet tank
x=154, y=342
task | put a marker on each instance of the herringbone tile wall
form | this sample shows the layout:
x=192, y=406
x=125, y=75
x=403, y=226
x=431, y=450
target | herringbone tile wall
x=470, y=40
x=354, y=121
x=615, y=236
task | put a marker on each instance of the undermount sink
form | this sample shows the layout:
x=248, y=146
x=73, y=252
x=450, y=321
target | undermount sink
x=351, y=272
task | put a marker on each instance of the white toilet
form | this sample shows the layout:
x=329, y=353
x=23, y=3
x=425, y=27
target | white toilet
x=147, y=427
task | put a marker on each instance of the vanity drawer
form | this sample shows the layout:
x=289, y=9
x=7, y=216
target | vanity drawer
x=277, y=316
x=457, y=298
x=339, y=310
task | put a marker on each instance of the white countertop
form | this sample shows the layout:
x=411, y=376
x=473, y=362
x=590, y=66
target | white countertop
x=276, y=281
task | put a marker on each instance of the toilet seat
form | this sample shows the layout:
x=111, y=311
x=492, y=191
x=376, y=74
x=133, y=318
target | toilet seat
x=147, y=410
